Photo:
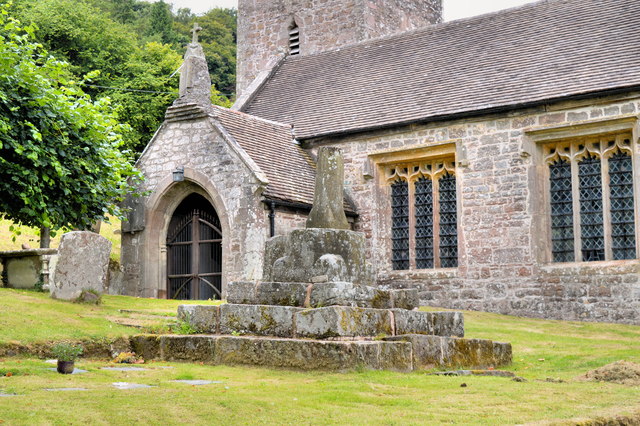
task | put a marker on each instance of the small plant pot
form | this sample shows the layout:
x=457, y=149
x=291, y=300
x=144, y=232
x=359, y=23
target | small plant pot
x=65, y=367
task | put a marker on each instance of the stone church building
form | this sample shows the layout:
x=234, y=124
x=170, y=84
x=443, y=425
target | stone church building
x=491, y=162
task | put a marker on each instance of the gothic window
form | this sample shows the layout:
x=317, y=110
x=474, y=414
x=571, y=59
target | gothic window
x=294, y=39
x=592, y=213
x=400, y=224
x=424, y=219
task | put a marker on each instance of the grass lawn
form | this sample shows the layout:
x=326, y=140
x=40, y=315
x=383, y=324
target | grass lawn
x=560, y=351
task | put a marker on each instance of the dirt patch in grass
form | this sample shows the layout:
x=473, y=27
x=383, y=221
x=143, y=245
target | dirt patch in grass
x=623, y=372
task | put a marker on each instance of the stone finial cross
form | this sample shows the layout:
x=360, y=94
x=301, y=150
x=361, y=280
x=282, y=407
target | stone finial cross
x=196, y=29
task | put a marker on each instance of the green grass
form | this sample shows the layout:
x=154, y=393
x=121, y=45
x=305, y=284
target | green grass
x=542, y=350
x=30, y=317
x=31, y=236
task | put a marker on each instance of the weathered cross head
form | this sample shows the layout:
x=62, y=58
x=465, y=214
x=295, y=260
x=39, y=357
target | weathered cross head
x=196, y=29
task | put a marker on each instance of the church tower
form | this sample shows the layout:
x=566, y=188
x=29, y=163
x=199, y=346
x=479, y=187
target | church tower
x=271, y=29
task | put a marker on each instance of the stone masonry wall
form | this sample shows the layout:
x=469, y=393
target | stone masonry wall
x=501, y=268
x=216, y=172
x=288, y=220
x=263, y=27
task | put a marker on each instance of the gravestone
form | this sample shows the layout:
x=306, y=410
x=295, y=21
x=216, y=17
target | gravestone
x=83, y=262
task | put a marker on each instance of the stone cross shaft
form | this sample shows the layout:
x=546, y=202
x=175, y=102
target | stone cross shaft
x=328, y=211
x=196, y=29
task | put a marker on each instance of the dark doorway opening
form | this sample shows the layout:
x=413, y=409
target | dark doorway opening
x=194, y=251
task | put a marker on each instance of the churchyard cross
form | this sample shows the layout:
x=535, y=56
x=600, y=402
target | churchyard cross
x=196, y=29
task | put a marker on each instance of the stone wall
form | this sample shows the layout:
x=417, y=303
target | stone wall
x=287, y=220
x=502, y=232
x=263, y=27
x=215, y=171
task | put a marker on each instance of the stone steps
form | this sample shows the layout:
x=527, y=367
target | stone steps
x=400, y=353
x=320, y=294
x=319, y=323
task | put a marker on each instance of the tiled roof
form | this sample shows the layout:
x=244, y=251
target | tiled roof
x=290, y=170
x=522, y=56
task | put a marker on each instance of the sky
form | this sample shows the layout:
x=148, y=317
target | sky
x=453, y=9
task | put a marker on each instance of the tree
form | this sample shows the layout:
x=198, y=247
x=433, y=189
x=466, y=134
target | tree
x=151, y=84
x=161, y=21
x=60, y=162
x=83, y=35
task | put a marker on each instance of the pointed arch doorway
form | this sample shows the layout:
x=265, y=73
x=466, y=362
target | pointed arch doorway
x=194, y=251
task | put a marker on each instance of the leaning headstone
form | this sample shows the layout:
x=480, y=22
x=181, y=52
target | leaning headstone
x=328, y=207
x=83, y=262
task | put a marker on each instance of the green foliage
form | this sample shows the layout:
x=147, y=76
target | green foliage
x=183, y=327
x=39, y=286
x=161, y=21
x=66, y=351
x=60, y=158
x=81, y=34
x=147, y=72
x=136, y=46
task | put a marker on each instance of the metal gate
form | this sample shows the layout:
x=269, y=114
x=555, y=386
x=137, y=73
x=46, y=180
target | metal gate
x=194, y=257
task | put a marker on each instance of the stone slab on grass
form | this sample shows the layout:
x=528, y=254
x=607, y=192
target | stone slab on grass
x=343, y=321
x=203, y=318
x=435, y=323
x=296, y=354
x=437, y=351
x=260, y=320
x=124, y=369
x=126, y=386
x=197, y=382
x=75, y=370
x=65, y=389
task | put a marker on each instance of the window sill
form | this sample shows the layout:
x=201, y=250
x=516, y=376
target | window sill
x=596, y=268
x=419, y=274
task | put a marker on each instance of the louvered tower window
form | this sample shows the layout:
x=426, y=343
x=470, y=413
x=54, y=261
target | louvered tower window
x=294, y=40
x=591, y=199
x=424, y=219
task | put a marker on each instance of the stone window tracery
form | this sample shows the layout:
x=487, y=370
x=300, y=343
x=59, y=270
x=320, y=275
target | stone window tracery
x=424, y=228
x=591, y=199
